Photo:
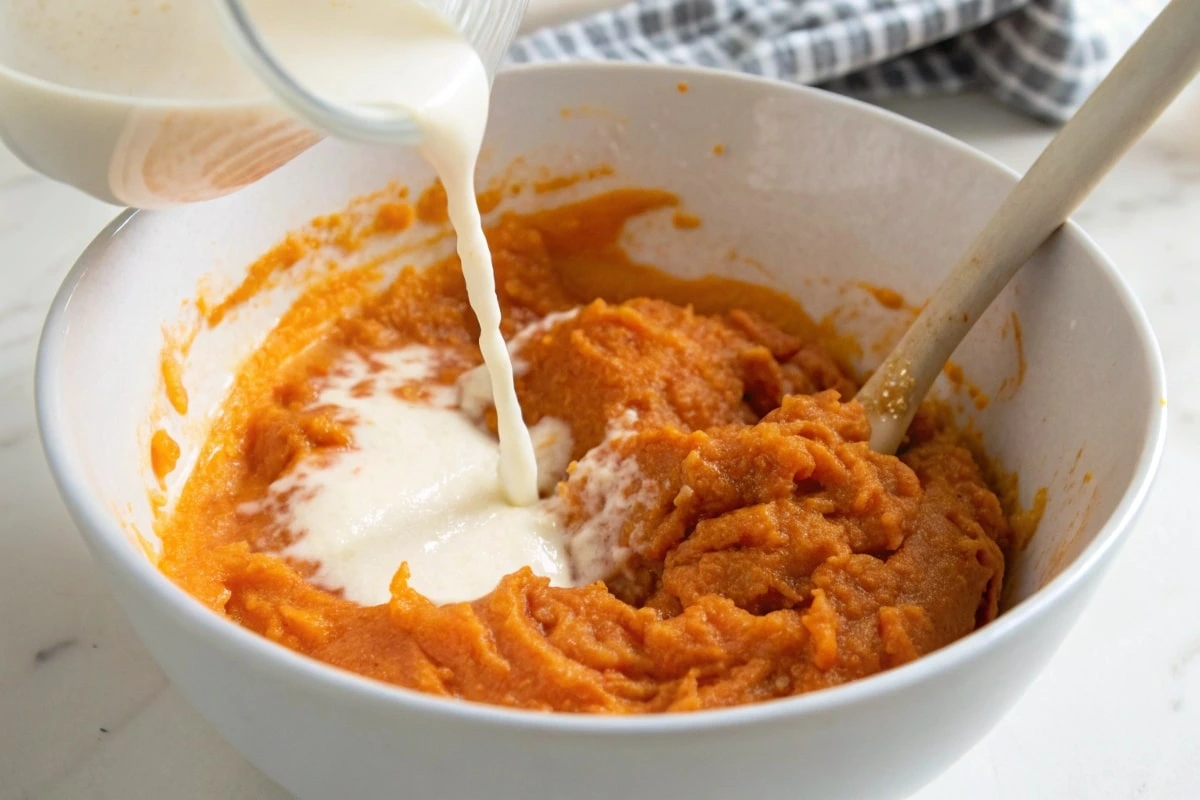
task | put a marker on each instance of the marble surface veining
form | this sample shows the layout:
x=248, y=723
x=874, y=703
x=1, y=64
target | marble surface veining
x=85, y=713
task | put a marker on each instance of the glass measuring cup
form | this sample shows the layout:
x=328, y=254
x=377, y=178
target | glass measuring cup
x=161, y=104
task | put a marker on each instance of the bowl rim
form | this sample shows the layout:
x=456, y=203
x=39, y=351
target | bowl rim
x=109, y=540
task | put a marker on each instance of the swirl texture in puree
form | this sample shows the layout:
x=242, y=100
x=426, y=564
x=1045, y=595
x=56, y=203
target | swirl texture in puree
x=756, y=547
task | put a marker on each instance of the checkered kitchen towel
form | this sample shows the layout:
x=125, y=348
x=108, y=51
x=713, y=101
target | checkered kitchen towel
x=1041, y=56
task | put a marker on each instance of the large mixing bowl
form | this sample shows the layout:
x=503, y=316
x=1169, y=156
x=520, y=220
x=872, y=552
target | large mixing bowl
x=798, y=189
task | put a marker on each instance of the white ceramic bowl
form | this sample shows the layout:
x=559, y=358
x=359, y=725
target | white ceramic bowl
x=820, y=190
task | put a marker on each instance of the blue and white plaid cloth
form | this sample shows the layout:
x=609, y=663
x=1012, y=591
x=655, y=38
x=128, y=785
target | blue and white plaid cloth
x=1041, y=56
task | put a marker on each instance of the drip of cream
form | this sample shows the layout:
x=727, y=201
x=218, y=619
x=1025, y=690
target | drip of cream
x=401, y=54
x=612, y=488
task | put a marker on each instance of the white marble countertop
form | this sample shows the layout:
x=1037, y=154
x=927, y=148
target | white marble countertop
x=85, y=713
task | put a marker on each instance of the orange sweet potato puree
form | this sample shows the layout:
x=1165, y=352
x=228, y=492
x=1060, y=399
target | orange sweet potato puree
x=771, y=552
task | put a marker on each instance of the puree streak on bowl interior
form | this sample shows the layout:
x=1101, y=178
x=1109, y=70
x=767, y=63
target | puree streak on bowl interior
x=729, y=535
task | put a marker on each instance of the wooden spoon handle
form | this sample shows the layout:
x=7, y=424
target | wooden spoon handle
x=1142, y=84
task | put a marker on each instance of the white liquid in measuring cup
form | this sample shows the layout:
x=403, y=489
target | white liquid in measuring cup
x=138, y=49
x=396, y=53
x=136, y=102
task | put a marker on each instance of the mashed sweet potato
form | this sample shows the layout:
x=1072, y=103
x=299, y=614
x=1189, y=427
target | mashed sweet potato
x=764, y=550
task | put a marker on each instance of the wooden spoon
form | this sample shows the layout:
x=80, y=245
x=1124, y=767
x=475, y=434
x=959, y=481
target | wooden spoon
x=1140, y=87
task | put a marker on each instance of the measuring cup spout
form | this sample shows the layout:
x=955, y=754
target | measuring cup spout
x=489, y=25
